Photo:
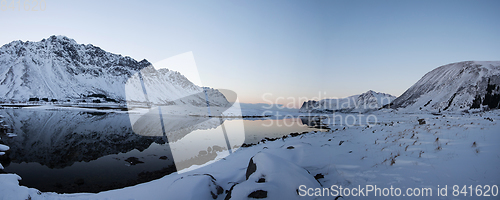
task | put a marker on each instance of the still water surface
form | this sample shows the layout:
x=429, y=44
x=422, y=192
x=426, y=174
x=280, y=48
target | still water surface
x=79, y=151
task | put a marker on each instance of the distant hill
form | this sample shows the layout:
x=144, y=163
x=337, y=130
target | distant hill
x=365, y=102
x=454, y=87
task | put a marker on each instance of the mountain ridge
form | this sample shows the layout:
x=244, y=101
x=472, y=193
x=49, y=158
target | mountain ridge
x=364, y=102
x=459, y=86
x=59, y=68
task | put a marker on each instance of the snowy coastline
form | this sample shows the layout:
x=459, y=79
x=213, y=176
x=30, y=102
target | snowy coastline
x=453, y=149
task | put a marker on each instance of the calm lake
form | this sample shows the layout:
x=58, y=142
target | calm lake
x=69, y=151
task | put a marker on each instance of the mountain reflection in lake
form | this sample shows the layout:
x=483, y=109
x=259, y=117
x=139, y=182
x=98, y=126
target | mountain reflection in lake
x=76, y=151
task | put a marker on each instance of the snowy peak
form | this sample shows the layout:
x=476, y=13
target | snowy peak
x=58, y=68
x=364, y=102
x=377, y=99
x=454, y=87
x=61, y=48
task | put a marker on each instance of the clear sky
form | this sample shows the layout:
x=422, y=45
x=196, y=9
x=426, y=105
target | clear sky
x=287, y=49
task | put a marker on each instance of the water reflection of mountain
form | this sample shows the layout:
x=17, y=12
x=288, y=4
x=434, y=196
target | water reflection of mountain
x=174, y=126
x=57, y=139
x=314, y=121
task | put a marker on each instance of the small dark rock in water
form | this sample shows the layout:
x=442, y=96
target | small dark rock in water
x=350, y=151
x=133, y=160
x=329, y=139
x=217, y=148
x=421, y=121
x=290, y=147
x=261, y=180
x=79, y=181
x=202, y=153
x=163, y=157
x=341, y=141
x=259, y=194
x=319, y=176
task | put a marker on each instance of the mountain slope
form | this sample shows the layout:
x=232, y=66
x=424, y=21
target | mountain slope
x=365, y=102
x=454, y=87
x=59, y=68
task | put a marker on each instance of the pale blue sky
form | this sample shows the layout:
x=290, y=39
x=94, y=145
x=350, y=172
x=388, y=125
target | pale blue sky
x=286, y=48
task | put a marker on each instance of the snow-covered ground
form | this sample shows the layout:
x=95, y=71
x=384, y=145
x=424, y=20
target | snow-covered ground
x=448, y=150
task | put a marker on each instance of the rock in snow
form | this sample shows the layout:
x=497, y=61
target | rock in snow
x=454, y=87
x=272, y=177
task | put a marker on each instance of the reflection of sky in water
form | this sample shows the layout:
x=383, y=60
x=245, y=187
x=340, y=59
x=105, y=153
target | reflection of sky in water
x=75, y=146
x=255, y=130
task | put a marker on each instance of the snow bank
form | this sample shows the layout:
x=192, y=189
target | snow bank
x=4, y=147
x=272, y=177
x=10, y=189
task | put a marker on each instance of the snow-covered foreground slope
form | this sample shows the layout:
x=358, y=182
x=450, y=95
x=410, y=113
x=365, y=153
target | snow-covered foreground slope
x=454, y=87
x=58, y=68
x=365, y=102
x=397, y=151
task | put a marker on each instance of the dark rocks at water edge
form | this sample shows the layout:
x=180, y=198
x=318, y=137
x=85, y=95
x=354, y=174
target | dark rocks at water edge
x=273, y=139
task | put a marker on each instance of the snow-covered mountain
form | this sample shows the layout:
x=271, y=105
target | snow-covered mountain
x=61, y=69
x=454, y=87
x=365, y=102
